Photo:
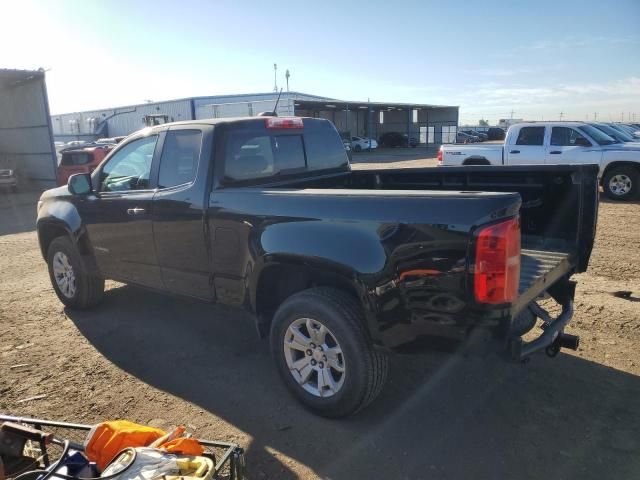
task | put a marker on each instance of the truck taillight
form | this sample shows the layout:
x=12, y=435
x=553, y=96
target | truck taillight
x=497, y=263
x=283, y=122
x=440, y=156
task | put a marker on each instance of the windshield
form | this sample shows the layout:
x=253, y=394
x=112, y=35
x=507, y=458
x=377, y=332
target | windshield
x=601, y=138
x=612, y=132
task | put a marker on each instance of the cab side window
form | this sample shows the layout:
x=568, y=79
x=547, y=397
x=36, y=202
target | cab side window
x=179, y=160
x=530, y=136
x=129, y=168
x=566, y=137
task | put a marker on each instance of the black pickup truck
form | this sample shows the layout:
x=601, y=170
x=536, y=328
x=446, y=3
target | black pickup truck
x=338, y=266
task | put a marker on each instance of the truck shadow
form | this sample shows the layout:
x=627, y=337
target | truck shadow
x=441, y=416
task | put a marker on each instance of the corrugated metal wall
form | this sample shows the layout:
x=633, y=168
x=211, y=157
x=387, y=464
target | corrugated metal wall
x=89, y=125
x=119, y=121
x=25, y=136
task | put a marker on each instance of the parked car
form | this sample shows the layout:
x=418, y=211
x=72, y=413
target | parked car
x=481, y=136
x=109, y=140
x=80, y=160
x=462, y=137
x=363, y=143
x=496, y=133
x=618, y=135
x=337, y=266
x=8, y=179
x=397, y=139
x=559, y=143
x=75, y=143
x=631, y=130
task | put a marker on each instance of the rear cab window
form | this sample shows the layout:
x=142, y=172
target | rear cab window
x=76, y=158
x=252, y=151
x=530, y=136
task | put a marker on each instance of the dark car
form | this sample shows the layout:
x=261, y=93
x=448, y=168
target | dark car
x=481, y=136
x=496, y=133
x=337, y=267
x=397, y=139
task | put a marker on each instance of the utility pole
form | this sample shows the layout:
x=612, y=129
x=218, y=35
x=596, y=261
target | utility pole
x=275, y=77
x=512, y=112
x=622, y=117
x=595, y=116
x=561, y=115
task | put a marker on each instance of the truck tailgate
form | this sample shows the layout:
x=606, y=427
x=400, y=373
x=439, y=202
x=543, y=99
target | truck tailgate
x=538, y=270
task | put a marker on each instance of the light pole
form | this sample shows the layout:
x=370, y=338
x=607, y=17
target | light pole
x=286, y=76
x=275, y=77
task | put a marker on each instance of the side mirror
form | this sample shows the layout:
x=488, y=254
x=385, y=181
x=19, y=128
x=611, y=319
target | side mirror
x=79, y=184
x=582, y=142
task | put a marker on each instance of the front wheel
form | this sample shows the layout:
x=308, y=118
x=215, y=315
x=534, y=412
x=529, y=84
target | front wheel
x=323, y=353
x=74, y=285
x=621, y=183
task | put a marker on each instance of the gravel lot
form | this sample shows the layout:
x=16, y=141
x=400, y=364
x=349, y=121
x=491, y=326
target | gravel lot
x=449, y=414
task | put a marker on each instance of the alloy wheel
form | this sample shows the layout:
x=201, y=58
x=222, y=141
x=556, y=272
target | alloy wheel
x=314, y=357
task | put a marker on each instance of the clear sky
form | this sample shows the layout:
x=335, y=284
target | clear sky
x=536, y=58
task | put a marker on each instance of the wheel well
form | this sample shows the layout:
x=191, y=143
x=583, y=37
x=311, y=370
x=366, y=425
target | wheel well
x=613, y=165
x=476, y=161
x=46, y=235
x=279, y=282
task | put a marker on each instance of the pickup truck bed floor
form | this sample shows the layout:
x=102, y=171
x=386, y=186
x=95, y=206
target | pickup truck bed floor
x=536, y=264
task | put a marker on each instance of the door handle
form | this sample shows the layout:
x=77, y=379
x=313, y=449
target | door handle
x=514, y=151
x=135, y=211
x=555, y=152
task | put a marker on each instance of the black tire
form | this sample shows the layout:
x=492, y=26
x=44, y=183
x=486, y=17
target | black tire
x=623, y=171
x=357, y=148
x=365, y=367
x=89, y=288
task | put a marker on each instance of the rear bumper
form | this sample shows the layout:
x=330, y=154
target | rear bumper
x=552, y=337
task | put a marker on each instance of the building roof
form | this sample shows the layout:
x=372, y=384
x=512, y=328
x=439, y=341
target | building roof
x=205, y=98
x=355, y=105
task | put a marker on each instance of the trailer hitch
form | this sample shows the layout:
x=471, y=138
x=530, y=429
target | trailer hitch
x=563, y=340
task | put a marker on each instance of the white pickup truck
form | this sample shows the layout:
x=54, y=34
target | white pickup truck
x=536, y=143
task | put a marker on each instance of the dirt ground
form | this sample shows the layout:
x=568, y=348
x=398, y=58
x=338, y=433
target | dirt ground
x=447, y=414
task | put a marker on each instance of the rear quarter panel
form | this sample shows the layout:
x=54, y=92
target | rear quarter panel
x=404, y=253
x=453, y=155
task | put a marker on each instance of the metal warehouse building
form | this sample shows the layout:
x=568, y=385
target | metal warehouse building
x=26, y=143
x=430, y=124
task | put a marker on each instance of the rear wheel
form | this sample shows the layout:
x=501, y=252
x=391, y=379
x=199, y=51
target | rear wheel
x=357, y=148
x=621, y=183
x=323, y=352
x=70, y=278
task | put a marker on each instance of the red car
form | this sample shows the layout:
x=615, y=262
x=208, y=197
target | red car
x=81, y=160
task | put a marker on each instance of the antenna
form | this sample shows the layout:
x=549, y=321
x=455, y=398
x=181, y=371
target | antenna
x=275, y=108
